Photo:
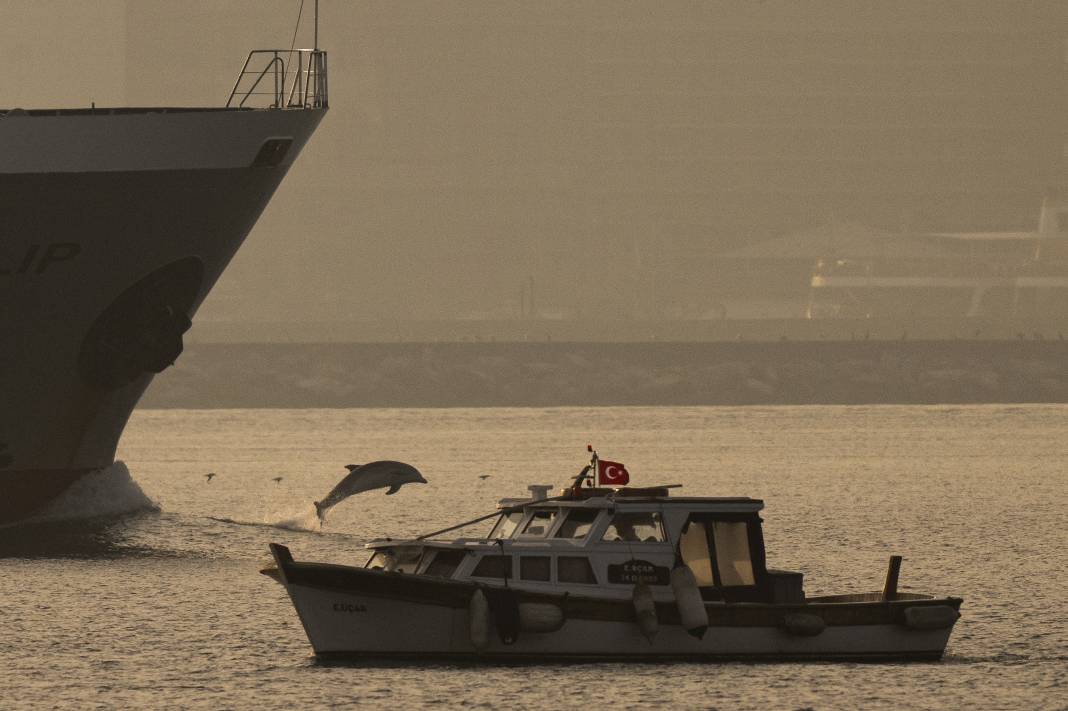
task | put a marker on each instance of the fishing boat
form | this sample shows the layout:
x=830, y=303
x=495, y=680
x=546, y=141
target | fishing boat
x=602, y=572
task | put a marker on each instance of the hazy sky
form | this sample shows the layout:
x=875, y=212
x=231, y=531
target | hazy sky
x=610, y=152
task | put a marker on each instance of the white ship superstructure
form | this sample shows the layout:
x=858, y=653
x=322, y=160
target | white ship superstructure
x=116, y=224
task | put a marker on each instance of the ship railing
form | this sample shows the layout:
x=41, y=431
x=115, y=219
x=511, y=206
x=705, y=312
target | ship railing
x=281, y=79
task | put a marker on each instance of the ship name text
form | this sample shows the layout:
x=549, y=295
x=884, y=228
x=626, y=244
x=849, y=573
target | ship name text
x=38, y=258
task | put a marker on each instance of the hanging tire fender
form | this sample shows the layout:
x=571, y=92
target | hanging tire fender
x=645, y=611
x=691, y=607
x=540, y=617
x=930, y=617
x=478, y=620
x=802, y=624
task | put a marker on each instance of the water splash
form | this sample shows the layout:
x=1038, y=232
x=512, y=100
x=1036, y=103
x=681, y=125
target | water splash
x=307, y=519
x=304, y=520
x=107, y=492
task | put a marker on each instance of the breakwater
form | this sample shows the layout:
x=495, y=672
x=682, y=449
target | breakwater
x=559, y=374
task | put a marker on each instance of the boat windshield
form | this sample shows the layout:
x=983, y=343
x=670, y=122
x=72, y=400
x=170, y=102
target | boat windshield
x=539, y=524
x=396, y=560
x=505, y=526
x=444, y=564
x=578, y=524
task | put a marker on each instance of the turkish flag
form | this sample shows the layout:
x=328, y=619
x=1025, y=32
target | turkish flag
x=611, y=473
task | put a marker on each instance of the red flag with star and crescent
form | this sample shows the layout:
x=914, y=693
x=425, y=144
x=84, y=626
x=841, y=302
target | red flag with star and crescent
x=611, y=473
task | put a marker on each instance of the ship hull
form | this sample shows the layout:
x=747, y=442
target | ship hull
x=365, y=626
x=116, y=226
x=360, y=613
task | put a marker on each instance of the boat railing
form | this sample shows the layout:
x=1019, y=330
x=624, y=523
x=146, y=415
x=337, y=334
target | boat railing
x=281, y=79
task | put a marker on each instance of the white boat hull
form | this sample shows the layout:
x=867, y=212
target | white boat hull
x=339, y=624
x=353, y=612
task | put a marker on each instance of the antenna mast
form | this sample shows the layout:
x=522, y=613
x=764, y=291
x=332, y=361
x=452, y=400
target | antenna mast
x=316, y=25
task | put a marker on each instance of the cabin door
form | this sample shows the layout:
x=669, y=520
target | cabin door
x=695, y=551
x=717, y=552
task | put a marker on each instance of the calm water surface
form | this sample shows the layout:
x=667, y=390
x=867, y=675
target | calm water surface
x=166, y=608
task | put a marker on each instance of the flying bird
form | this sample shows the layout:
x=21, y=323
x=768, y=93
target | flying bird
x=277, y=480
x=209, y=476
x=483, y=477
x=365, y=477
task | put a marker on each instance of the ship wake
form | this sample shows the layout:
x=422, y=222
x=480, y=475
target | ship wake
x=105, y=493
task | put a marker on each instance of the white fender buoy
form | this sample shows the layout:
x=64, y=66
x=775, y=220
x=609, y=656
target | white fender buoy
x=645, y=611
x=688, y=599
x=804, y=625
x=479, y=620
x=540, y=617
x=933, y=617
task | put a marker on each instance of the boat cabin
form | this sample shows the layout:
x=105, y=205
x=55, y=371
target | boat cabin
x=598, y=541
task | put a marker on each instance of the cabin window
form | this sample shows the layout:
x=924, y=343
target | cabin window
x=732, y=553
x=444, y=563
x=534, y=567
x=578, y=523
x=635, y=527
x=493, y=566
x=539, y=524
x=574, y=569
x=506, y=524
x=693, y=547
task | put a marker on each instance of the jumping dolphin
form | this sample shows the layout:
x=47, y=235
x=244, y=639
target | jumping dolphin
x=364, y=477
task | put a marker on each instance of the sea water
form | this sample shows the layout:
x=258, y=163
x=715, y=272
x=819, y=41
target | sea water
x=164, y=606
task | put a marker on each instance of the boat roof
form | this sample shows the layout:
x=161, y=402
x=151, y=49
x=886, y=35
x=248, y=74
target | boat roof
x=611, y=498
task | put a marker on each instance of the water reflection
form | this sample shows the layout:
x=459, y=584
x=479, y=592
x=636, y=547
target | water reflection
x=98, y=538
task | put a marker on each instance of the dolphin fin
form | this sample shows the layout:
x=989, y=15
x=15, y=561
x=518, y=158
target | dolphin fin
x=353, y=467
x=393, y=489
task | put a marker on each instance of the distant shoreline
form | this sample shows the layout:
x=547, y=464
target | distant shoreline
x=295, y=375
